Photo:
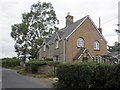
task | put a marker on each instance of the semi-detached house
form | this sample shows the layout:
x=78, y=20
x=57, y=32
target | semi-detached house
x=77, y=41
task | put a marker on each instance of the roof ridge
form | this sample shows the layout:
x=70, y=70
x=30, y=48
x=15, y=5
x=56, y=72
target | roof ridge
x=73, y=22
x=80, y=21
x=66, y=31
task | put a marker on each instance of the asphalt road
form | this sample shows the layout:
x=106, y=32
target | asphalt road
x=11, y=79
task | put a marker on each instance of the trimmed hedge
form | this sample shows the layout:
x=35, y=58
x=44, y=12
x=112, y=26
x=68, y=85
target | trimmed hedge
x=32, y=66
x=86, y=75
x=10, y=62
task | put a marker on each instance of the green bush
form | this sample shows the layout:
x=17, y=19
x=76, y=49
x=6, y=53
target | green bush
x=87, y=75
x=114, y=82
x=99, y=76
x=49, y=59
x=64, y=74
x=10, y=62
x=74, y=76
x=32, y=66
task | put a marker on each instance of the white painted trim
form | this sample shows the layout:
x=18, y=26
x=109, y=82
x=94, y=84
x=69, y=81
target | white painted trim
x=57, y=44
x=76, y=28
x=96, y=45
x=40, y=54
x=44, y=47
x=89, y=54
x=58, y=36
x=81, y=54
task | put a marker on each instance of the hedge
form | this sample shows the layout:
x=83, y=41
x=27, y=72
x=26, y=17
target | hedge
x=10, y=62
x=86, y=75
x=32, y=66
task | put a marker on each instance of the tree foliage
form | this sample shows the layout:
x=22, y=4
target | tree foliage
x=40, y=22
x=115, y=47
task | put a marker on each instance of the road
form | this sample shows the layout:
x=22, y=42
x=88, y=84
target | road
x=11, y=79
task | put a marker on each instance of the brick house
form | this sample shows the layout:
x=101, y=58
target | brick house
x=77, y=41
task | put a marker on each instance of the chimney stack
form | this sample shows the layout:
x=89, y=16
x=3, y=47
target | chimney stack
x=69, y=19
x=100, y=29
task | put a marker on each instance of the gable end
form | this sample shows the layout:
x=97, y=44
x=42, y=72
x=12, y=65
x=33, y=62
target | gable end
x=76, y=27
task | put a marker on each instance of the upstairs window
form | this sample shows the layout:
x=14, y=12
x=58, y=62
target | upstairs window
x=44, y=48
x=96, y=45
x=80, y=42
x=57, y=44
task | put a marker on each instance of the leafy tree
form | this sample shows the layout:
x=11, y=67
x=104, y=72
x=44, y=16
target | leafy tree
x=20, y=35
x=40, y=22
x=116, y=47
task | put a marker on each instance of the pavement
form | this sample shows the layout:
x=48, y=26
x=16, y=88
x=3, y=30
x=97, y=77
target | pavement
x=11, y=79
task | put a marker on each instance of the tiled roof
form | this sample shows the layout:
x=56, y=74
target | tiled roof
x=64, y=32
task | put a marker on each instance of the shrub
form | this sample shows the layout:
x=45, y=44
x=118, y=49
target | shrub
x=10, y=62
x=32, y=66
x=49, y=59
x=99, y=76
x=115, y=73
x=87, y=75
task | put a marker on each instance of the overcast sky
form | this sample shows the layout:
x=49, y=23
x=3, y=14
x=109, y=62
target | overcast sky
x=11, y=10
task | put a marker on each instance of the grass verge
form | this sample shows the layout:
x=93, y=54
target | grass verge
x=23, y=72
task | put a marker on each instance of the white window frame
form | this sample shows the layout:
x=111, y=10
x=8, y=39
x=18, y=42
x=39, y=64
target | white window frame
x=80, y=42
x=96, y=45
x=44, y=48
x=57, y=44
x=56, y=59
x=97, y=59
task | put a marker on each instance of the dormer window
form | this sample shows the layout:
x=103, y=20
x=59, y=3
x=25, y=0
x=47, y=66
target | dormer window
x=96, y=45
x=44, y=48
x=56, y=44
x=80, y=42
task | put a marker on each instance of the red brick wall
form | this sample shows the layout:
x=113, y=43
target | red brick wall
x=89, y=33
